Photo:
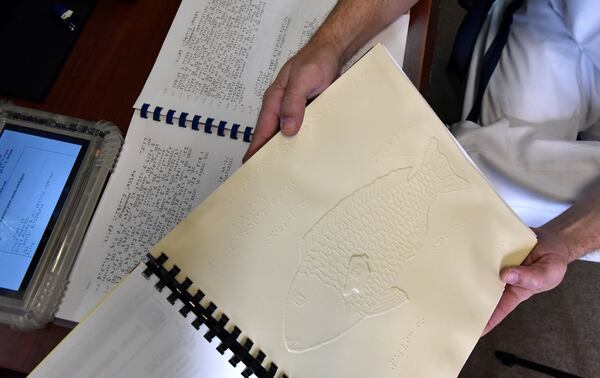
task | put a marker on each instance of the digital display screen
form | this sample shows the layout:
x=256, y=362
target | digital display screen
x=37, y=169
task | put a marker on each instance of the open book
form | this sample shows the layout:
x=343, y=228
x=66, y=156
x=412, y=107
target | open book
x=191, y=126
x=368, y=245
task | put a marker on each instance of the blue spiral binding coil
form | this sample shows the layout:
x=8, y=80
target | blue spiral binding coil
x=196, y=122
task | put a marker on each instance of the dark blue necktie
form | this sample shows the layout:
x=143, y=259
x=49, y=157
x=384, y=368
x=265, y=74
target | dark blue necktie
x=466, y=36
x=492, y=56
x=464, y=45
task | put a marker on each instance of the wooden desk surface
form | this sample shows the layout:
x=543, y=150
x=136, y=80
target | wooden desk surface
x=101, y=80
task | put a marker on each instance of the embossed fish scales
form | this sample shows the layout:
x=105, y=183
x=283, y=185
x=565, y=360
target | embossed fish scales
x=359, y=246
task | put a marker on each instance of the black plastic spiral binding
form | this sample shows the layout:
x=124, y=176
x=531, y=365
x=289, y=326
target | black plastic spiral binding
x=196, y=122
x=204, y=315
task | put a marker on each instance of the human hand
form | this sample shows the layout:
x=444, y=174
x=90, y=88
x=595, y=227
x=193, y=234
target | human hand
x=542, y=270
x=302, y=78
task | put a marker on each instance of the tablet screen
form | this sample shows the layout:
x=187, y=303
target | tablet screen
x=37, y=169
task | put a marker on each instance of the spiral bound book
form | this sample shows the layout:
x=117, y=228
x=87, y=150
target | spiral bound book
x=192, y=123
x=368, y=245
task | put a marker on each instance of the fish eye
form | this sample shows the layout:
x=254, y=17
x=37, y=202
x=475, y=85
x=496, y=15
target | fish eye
x=299, y=300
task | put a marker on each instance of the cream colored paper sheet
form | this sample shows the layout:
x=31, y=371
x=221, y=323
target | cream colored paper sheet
x=366, y=246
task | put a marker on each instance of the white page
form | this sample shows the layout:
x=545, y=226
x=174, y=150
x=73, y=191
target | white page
x=136, y=332
x=533, y=208
x=163, y=172
x=221, y=55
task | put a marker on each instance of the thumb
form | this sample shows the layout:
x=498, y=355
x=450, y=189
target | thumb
x=532, y=277
x=303, y=85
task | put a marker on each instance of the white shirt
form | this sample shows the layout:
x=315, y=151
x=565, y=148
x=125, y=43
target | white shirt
x=543, y=93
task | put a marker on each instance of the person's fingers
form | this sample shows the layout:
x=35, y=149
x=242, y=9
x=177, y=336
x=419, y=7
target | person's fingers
x=542, y=270
x=303, y=84
x=285, y=101
x=512, y=296
x=541, y=275
x=268, y=120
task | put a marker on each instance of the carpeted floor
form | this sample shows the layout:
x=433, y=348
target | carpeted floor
x=558, y=329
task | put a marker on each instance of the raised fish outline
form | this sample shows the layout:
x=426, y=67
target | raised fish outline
x=353, y=254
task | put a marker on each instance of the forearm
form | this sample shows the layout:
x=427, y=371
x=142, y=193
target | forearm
x=579, y=225
x=352, y=23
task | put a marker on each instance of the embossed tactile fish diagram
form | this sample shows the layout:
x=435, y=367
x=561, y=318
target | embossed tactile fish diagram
x=368, y=245
x=354, y=254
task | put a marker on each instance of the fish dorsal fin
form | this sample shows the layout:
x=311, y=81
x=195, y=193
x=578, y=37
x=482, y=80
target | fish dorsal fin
x=398, y=161
x=362, y=198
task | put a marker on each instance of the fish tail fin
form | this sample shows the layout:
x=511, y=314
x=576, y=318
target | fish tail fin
x=437, y=162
